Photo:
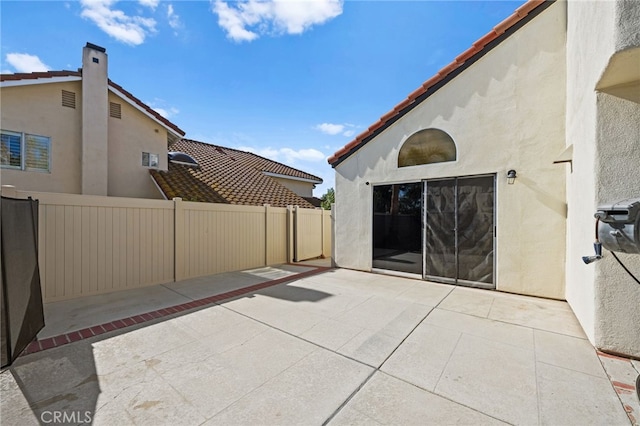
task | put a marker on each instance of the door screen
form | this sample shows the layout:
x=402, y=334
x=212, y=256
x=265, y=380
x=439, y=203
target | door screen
x=459, y=230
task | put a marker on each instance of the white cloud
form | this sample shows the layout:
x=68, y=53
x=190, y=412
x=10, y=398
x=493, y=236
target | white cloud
x=167, y=113
x=23, y=62
x=345, y=129
x=160, y=106
x=287, y=155
x=248, y=20
x=174, y=19
x=149, y=3
x=330, y=129
x=127, y=29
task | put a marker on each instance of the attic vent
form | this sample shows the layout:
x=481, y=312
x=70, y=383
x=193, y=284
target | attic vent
x=68, y=99
x=182, y=158
x=115, y=110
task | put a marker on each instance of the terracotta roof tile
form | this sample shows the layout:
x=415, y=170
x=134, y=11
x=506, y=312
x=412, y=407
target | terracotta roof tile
x=477, y=49
x=37, y=75
x=461, y=58
x=226, y=175
x=65, y=73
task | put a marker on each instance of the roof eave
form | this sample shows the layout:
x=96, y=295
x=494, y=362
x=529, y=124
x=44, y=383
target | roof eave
x=146, y=110
x=39, y=80
x=481, y=47
x=279, y=175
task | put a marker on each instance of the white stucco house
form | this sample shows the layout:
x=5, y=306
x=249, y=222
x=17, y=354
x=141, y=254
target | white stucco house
x=489, y=174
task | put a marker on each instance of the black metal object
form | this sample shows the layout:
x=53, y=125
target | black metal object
x=22, y=314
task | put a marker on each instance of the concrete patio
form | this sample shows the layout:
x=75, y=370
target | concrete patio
x=337, y=347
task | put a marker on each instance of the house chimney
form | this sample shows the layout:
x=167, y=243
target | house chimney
x=95, y=113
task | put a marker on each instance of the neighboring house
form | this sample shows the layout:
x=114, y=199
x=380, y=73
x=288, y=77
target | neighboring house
x=226, y=175
x=78, y=132
x=489, y=174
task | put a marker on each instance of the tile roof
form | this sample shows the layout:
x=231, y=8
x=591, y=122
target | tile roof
x=37, y=75
x=226, y=175
x=66, y=73
x=478, y=49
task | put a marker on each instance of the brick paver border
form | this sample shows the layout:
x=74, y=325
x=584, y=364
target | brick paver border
x=119, y=324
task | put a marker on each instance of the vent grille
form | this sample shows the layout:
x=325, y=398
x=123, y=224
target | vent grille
x=68, y=99
x=115, y=110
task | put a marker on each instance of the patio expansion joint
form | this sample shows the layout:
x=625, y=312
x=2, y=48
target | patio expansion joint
x=375, y=369
x=378, y=370
x=167, y=312
x=535, y=372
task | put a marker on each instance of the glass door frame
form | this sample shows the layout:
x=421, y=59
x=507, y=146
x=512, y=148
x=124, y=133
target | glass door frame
x=456, y=280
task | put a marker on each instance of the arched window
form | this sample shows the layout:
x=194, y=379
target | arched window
x=425, y=147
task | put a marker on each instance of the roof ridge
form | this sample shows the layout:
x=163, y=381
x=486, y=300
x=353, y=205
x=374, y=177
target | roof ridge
x=282, y=164
x=38, y=74
x=476, y=48
x=253, y=154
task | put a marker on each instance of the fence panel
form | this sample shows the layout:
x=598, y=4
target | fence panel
x=221, y=238
x=276, y=244
x=308, y=233
x=93, y=245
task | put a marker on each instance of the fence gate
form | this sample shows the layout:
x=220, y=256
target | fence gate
x=22, y=315
x=308, y=231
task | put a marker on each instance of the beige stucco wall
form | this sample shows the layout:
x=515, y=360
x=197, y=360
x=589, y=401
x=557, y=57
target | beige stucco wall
x=504, y=112
x=129, y=136
x=37, y=109
x=605, y=134
x=303, y=189
x=95, y=110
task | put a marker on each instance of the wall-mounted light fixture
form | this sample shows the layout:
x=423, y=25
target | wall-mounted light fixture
x=511, y=176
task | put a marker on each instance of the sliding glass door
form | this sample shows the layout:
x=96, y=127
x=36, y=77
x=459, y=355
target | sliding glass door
x=459, y=230
x=442, y=229
x=397, y=227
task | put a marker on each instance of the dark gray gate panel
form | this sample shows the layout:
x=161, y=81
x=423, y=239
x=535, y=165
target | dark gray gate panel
x=23, y=315
x=4, y=322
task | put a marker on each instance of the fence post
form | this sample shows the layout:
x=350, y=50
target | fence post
x=178, y=240
x=267, y=212
x=321, y=233
x=9, y=191
x=290, y=249
x=333, y=235
x=296, y=229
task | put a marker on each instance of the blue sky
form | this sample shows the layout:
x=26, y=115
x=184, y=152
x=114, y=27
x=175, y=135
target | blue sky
x=290, y=80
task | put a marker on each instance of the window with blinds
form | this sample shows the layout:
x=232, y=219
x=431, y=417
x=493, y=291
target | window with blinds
x=68, y=99
x=24, y=151
x=36, y=153
x=115, y=110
